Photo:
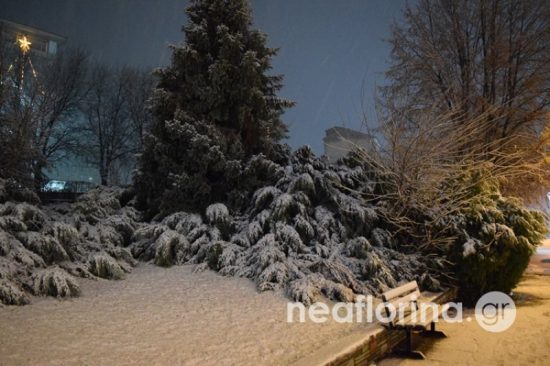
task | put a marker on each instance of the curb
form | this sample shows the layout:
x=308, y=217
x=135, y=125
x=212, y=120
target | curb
x=363, y=348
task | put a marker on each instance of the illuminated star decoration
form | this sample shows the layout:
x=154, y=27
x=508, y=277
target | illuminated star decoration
x=24, y=44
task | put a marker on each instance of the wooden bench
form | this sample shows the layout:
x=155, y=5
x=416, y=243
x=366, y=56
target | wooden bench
x=411, y=316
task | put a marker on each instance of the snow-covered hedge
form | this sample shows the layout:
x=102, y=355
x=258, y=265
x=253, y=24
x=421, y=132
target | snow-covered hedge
x=44, y=249
x=496, y=239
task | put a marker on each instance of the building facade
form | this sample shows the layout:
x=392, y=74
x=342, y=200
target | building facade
x=339, y=141
x=39, y=42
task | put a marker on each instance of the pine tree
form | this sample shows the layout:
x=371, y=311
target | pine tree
x=214, y=106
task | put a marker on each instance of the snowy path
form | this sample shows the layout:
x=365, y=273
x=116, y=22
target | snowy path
x=527, y=342
x=161, y=317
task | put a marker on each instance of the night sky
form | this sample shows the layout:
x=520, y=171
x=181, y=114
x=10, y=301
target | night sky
x=331, y=53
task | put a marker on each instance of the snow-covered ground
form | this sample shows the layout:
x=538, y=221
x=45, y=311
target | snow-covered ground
x=540, y=262
x=162, y=316
x=526, y=342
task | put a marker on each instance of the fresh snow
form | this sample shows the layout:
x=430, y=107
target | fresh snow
x=163, y=316
x=469, y=248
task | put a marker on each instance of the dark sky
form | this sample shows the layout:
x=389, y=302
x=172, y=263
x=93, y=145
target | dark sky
x=329, y=50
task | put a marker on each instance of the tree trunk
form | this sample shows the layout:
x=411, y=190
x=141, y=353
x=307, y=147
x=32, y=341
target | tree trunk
x=103, y=170
x=104, y=175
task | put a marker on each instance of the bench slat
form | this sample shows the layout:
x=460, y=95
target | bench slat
x=430, y=317
x=401, y=290
x=408, y=321
x=405, y=300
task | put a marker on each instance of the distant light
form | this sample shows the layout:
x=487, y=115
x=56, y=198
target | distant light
x=24, y=44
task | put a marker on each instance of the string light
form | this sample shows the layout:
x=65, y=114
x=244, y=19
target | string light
x=25, y=46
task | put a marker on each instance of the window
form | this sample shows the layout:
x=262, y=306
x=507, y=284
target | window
x=52, y=47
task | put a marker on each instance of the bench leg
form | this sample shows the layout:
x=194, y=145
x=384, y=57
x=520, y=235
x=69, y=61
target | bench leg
x=408, y=352
x=434, y=333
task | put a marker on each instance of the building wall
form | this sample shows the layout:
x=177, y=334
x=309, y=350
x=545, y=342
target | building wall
x=43, y=44
x=339, y=141
x=338, y=148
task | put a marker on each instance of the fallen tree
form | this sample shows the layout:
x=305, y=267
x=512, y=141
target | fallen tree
x=302, y=229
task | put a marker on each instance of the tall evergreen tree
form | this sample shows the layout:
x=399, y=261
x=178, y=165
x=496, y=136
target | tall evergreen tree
x=214, y=106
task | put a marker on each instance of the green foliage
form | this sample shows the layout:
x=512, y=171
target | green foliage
x=497, y=238
x=185, y=167
x=214, y=106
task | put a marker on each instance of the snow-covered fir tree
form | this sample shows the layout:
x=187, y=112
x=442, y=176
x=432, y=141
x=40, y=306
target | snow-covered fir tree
x=214, y=106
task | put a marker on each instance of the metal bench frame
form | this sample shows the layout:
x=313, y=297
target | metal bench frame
x=408, y=295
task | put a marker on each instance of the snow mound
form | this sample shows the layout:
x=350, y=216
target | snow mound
x=55, y=282
x=170, y=248
x=217, y=214
x=10, y=294
x=104, y=266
